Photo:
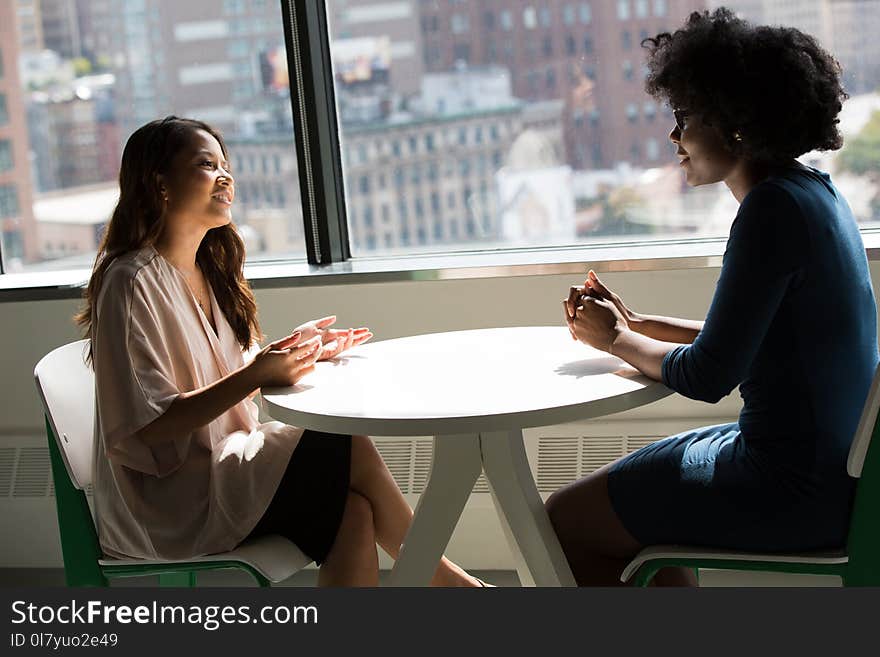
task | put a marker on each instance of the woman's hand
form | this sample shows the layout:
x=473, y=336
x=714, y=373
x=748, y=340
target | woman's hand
x=596, y=322
x=286, y=361
x=334, y=341
x=593, y=287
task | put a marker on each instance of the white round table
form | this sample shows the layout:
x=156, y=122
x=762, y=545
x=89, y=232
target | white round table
x=474, y=391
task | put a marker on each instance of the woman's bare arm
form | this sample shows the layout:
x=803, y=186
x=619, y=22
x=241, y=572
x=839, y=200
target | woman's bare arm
x=281, y=363
x=194, y=409
x=666, y=329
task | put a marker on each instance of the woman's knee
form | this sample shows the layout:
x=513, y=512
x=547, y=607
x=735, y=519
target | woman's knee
x=363, y=447
x=358, y=517
x=574, y=503
x=582, y=515
x=556, y=506
x=365, y=459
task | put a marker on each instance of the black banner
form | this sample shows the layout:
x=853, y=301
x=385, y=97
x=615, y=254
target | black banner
x=388, y=621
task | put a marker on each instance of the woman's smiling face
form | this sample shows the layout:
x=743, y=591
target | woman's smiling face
x=199, y=184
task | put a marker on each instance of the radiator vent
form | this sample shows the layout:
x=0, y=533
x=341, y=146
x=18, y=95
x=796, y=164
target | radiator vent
x=562, y=460
x=7, y=470
x=410, y=464
x=26, y=471
x=32, y=473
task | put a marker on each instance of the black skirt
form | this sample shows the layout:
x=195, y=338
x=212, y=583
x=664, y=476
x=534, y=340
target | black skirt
x=307, y=508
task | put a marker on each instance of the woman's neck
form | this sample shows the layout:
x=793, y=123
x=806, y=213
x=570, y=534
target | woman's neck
x=179, y=247
x=745, y=175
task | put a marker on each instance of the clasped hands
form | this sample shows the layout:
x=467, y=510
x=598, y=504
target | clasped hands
x=595, y=315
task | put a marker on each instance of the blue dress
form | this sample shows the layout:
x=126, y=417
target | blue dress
x=794, y=322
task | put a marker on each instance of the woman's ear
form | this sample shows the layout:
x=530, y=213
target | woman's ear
x=160, y=185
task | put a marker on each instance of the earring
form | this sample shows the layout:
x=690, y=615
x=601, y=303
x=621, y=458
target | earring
x=737, y=136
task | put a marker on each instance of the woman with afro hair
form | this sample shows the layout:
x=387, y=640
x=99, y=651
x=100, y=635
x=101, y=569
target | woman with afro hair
x=793, y=320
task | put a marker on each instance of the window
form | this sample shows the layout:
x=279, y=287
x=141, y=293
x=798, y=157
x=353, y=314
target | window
x=585, y=13
x=632, y=112
x=240, y=89
x=506, y=20
x=460, y=23
x=545, y=16
x=437, y=156
x=5, y=155
x=233, y=7
x=9, y=201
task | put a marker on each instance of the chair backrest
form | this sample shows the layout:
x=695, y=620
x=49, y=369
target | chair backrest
x=67, y=388
x=863, y=542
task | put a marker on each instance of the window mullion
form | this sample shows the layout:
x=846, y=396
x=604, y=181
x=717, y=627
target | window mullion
x=316, y=131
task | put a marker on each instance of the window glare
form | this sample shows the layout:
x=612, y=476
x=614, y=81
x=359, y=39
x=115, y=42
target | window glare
x=73, y=88
x=578, y=152
x=463, y=125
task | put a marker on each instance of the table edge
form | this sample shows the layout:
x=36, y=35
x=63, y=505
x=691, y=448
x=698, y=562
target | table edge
x=469, y=424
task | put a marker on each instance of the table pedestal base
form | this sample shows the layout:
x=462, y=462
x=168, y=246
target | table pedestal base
x=458, y=461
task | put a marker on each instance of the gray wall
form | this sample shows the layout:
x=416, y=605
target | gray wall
x=28, y=330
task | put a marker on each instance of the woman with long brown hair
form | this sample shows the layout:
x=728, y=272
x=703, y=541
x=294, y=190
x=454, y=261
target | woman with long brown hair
x=182, y=465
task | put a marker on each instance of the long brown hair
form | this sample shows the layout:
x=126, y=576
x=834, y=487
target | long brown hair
x=137, y=221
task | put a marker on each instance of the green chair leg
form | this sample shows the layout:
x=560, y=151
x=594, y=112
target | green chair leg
x=186, y=578
x=79, y=539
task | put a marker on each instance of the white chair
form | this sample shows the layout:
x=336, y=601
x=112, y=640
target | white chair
x=857, y=563
x=67, y=389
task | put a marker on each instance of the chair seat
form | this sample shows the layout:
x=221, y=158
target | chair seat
x=829, y=558
x=273, y=556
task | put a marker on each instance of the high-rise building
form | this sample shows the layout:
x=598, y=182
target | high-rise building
x=74, y=138
x=585, y=53
x=30, y=25
x=847, y=28
x=16, y=214
x=61, y=27
x=855, y=28
x=397, y=21
x=99, y=42
x=199, y=58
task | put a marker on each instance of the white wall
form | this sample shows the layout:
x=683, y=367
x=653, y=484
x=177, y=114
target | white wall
x=30, y=329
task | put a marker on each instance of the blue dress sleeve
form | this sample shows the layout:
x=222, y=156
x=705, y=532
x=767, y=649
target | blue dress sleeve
x=766, y=254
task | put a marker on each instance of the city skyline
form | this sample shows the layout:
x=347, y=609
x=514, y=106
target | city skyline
x=514, y=76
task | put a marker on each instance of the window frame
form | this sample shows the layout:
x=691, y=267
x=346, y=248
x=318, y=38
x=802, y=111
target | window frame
x=319, y=158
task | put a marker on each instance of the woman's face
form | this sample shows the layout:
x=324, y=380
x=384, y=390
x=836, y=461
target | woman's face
x=199, y=185
x=702, y=152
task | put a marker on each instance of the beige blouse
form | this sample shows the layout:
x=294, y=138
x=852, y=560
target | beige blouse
x=201, y=492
